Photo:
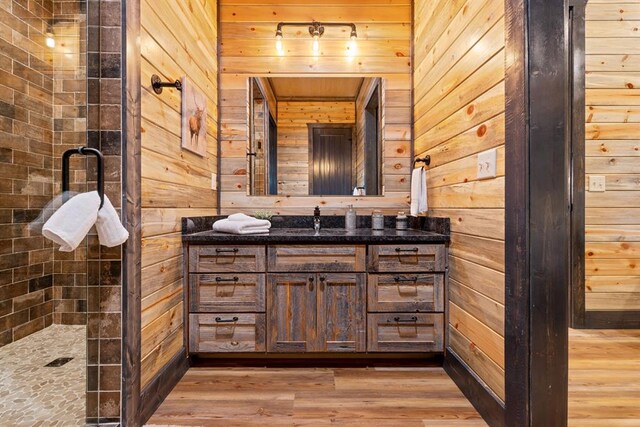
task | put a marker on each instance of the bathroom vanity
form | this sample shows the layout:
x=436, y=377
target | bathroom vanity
x=295, y=291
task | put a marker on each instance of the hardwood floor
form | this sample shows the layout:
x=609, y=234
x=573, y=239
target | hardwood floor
x=604, y=378
x=604, y=390
x=314, y=397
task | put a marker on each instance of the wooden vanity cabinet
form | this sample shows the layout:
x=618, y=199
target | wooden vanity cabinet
x=317, y=298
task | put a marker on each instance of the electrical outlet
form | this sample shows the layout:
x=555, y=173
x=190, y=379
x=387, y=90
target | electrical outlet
x=597, y=183
x=487, y=164
x=214, y=181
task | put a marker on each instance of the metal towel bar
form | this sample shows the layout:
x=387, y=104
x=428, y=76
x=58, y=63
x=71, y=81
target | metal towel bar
x=85, y=151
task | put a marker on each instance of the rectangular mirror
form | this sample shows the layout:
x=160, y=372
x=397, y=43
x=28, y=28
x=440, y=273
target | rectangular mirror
x=315, y=136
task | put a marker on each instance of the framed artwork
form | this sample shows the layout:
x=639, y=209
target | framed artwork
x=194, y=118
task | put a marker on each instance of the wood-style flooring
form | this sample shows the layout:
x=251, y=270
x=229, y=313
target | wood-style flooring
x=604, y=390
x=377, y=397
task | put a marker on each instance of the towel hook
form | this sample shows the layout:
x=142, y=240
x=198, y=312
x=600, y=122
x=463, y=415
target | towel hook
x=85, y=151
x=426, y=160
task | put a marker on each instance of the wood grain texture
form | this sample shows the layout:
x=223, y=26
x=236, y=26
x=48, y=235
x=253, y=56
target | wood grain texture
x=176, y=40
x=248, y=49
x=459, y=93
x=405, y=332
x=612, y=149
x=386, y=397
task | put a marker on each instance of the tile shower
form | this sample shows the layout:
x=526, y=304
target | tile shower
x=53, y=98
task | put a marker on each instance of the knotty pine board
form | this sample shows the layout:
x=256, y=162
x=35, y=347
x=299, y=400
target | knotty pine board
x=612, y=148
x=176, y=40
x=459, y=94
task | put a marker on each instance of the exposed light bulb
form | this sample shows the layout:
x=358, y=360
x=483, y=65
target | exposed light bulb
x=279, y=43
x=352, y=48
x=316, y=44
x=49, y=40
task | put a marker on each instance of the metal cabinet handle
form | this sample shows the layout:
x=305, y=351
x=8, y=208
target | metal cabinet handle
x=221, y=279
x=405, y=279
x=406, y=250
x=221, y=320
x=412, y=319
x=311, y=280
x=223, y=251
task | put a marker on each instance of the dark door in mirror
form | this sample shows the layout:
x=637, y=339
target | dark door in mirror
x=273, y=157
x=372, y=144
x=330, y=160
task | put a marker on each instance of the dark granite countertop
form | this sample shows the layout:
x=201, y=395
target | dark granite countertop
x=294, y=230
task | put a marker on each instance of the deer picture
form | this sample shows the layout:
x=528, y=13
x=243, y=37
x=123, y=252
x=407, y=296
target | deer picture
x=195, y=123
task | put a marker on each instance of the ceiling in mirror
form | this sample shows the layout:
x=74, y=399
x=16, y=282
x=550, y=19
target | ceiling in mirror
x=313, y=88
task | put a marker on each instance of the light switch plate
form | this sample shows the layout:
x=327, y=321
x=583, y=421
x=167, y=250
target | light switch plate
x=214, y=181
x=597, y=183
x=487, y=164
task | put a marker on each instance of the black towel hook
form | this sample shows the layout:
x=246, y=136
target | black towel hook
x=85, y=151
x=426, y=160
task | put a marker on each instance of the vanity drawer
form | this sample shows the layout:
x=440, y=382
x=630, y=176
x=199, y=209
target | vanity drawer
x=226, y=292
x=405, y=292
x=407, y=258
x=226, y=333
x=223, y=259
x=336, y=258
x=405, y=332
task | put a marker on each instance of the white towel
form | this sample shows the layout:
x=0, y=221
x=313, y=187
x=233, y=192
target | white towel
x=111, y=232
x=255, y=222
x=69, y=225
x=418, y=192
x=242, y=226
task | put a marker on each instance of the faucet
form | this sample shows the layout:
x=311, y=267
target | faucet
x=316, y=219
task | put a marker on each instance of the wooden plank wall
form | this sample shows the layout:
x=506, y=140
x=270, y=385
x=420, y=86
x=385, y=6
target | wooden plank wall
x=247, y=33
x=293, y=139
x=177, y=39
x=459, y=112
x=613, y=150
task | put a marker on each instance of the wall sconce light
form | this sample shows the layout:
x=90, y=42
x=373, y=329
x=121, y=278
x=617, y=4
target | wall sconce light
x=316, y=30
x=49, y=39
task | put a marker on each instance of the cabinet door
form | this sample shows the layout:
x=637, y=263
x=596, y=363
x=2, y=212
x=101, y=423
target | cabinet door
x=341, y=312
x=291, y=312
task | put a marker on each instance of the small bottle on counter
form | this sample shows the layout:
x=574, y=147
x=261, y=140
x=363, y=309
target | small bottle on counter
x=350, y=219
x=402, y=222
x=377, y=220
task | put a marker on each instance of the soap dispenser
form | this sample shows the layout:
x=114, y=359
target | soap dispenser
x=350, y=219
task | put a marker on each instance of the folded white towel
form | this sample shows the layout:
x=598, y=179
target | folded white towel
x=69, y=225
x=240, y=227
x=255, y=222
x=111, y=232
x=418, y=192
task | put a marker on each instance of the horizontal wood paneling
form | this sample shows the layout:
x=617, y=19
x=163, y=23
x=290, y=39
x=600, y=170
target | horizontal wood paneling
x=612, y=218
x=247, y=31
x=177, y=39
x=459, y=68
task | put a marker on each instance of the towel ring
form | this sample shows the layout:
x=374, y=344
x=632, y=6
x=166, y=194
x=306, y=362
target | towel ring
x=85, y=151
x=426, y=160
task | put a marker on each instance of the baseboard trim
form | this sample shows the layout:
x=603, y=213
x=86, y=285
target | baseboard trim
x=484, y=400
x=160, y=387
x=611, y=320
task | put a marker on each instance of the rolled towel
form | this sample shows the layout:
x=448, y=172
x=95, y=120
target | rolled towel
x=240, y=227
x=418, y=192
x=69, y=225
x=111, y=232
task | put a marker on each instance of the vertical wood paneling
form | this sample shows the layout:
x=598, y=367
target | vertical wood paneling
x=458, y=112
x=248, y=49
x=612, y=148
x=177, y=39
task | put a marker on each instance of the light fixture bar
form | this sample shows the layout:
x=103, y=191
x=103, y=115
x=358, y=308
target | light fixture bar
x=316, y=30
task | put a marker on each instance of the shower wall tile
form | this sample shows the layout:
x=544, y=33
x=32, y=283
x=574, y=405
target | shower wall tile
x=26, y=151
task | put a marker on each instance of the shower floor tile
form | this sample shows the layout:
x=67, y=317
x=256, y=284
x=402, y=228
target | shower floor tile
x=34, y=395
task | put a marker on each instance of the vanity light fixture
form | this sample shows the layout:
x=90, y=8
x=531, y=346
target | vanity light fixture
x=316, y=30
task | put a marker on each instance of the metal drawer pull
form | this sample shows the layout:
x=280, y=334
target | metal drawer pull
x=412, y=319
x=221, y=279
x=405, y=279
x=226, y=251
x=221, y=320
x=406, y=250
